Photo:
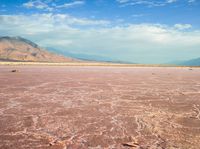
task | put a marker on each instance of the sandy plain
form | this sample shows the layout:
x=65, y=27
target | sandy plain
x=74, y=107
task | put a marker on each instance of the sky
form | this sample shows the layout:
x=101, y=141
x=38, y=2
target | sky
x=139, y=31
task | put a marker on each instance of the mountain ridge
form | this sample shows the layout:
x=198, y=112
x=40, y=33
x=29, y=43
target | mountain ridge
x=88, y=57
x=191, y=62
x=21, y=49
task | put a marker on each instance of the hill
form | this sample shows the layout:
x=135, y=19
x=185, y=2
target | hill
x=192, y=62
x=21, y=49
x=89, y=57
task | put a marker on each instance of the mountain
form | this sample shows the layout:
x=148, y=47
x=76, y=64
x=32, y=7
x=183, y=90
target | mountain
x=87, y=57
x=192, y=62
x=20, y=49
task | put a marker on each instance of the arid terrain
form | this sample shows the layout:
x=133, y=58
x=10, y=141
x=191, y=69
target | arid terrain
x=74, y=107
x=22, y=50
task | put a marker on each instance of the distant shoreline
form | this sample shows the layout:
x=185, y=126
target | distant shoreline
x=88, y=64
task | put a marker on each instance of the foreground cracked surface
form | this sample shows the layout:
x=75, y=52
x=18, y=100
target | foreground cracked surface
x=99, y=107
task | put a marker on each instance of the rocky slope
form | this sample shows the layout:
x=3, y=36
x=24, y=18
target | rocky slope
x=20, y=49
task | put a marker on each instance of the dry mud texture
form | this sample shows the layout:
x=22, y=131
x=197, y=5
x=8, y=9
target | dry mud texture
x=51, y=107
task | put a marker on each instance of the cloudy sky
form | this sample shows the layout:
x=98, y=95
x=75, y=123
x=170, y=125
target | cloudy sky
x=141, y=31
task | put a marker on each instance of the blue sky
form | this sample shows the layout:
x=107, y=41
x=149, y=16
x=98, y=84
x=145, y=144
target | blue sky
x=142, y=31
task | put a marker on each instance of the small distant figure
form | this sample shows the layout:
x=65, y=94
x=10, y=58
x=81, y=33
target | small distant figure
x=14, y=70
x=190, y=69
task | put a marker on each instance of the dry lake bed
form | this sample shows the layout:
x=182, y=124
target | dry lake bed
x=73, y=107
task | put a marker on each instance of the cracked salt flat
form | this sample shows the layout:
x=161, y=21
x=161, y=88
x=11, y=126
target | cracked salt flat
x=99, y=107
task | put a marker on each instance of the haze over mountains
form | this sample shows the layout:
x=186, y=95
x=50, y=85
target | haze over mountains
x=20, y=49
x=192, y=62
x=87, y=57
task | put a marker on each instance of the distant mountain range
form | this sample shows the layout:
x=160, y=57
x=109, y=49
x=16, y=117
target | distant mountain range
x=20, y=49
x=192, y=62
x=87, y=57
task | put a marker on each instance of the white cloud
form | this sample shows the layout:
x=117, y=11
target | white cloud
x=72, y=4
x=171, y=1
x=37, y=4
x=48, y=21
x=145, y=2
x=123, y=1
x=135, y=42
x=149, y=3
x=29, y=4
x=45, y=5
x=183, y=26
x=138, y=15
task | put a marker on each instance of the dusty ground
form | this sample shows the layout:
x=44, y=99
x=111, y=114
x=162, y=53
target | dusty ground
x=99, y=107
